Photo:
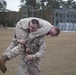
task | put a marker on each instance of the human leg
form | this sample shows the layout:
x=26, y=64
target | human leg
x=23, y=68
x=2, y=64
x=9, y=55
x=34, y=69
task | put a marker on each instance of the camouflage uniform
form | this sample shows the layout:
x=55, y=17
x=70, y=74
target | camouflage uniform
x=21, y=31
x=37, y=50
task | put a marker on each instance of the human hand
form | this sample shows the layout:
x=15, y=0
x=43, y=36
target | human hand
x=2, y=65
x=21, y=41
x=27, y=50
x=29, y=57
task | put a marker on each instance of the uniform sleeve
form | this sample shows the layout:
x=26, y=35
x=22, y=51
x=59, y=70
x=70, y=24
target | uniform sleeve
x=41, y=51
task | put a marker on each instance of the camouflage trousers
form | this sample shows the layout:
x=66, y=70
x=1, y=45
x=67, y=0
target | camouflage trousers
x=28, y=68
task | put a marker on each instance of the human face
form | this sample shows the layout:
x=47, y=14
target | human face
x=33, y=27
x=52, y=32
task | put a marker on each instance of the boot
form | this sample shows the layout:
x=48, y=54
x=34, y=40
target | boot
x=2, y=64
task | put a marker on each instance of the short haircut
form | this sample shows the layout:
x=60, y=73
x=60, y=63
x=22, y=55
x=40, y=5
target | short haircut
x=34, y=21
x=57, y=31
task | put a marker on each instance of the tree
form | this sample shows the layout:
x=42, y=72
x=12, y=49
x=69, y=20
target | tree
x=12, y=19
x=54, y=4
x=2, y=11
x=3, y=5
x=69, y=4
x=31, y=2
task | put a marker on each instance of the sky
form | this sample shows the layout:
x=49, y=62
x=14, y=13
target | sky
x=15, y=4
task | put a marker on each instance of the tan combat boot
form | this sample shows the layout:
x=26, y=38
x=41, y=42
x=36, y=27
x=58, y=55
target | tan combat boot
x=2, y=64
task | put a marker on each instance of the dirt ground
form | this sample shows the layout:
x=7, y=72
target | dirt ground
x=60, y=58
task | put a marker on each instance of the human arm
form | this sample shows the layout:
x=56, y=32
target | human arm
x=39, y=53
x=45, y=26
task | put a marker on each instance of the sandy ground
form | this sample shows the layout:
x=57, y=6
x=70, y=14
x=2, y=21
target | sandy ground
x=60, y=58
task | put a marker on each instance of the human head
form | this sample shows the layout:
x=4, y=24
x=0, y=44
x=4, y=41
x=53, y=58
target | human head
x=54, y=31
x=33, y=25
